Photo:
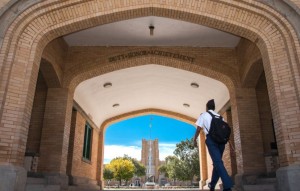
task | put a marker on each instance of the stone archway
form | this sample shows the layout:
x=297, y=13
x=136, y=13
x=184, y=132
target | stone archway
x=208, y=66
x=32, y=30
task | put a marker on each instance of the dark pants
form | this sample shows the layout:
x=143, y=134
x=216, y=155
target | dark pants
x=216, y=152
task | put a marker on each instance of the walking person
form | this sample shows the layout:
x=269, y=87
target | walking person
x=215, y=149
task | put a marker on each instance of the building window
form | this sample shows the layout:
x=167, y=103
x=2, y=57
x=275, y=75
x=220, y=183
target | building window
x=87, y=142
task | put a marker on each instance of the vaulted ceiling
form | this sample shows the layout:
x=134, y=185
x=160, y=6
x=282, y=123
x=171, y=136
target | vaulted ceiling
x=150, y=86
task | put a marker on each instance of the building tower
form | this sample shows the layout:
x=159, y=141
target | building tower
x=150, y=159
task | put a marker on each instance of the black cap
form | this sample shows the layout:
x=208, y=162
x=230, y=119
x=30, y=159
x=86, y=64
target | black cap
x=210, y=104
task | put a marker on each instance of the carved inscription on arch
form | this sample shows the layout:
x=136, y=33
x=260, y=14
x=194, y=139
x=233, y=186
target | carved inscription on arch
x=130, y=55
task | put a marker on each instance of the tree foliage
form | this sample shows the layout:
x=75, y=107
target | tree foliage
x=189, y=160
x=140, y=169
x=123, y=169
x=108, y=174
x=173, y=167
x=163, y=169
x=184, y=165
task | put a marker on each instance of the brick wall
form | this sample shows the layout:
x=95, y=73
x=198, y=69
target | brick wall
x=252, y=75
x=249, y=62
x=265, y=114
x=71, y=141
x=37, y=116
x=77, y=167
x=49, y=76
x=247, y=133
x=229, y=156
x=53, y=62
x=56, y=130
x=206, y=61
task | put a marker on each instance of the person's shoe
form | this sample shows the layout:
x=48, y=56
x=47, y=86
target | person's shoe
x=210, y=188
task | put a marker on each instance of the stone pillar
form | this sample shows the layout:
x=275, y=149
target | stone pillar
x=247, y=133
x=56, y=134
x=288, y=178
x=12, y=178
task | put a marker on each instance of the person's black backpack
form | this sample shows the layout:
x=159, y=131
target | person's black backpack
x=219, y=129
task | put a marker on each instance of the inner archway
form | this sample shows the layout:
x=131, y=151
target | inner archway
x=148, y=86
x=148, y=139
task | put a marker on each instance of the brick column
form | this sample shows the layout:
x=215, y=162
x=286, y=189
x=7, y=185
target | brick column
x=100, y=159
x=56, y=131
x=203, y=160
x=247, y=132
x=209, y=166
x=17, y=86
x=229, y=156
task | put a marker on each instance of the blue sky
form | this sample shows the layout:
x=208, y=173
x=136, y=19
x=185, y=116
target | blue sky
x=125, y=137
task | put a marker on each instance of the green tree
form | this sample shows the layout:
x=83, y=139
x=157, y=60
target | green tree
x=189, y=160
x=163, y=169
x=173, y=167
x=140, y=169
x=123, y=169
x=108, y=175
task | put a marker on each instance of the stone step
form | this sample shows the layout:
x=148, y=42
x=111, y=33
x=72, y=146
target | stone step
x=260, y=187
x=267, y=181
x=31, y=180
x=41, y=187
x=84, y=188
x=176, y=189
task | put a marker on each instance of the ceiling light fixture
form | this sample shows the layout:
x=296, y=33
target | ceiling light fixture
x=195, y=85
x=116, y=105
x=107, y=85
x=186, y=105
x=151, y=27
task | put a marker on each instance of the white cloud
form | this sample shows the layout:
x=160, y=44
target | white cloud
x=113, y=151
x=166, y=149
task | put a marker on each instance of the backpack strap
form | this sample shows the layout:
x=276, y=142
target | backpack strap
x=212, y=115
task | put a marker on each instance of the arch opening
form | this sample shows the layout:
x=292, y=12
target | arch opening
x=132, y=137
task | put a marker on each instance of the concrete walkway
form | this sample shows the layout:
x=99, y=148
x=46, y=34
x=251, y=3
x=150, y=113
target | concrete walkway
x=152, y=189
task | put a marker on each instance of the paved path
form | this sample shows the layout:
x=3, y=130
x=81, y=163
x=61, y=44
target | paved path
x=198, y=189
x=157, y=189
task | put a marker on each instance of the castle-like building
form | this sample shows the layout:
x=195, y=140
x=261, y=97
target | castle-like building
x=150, y=159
